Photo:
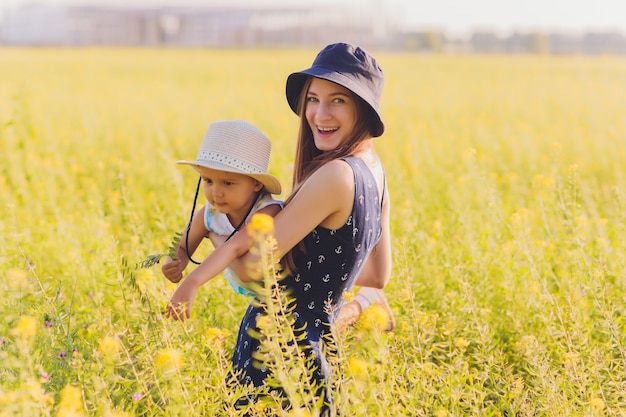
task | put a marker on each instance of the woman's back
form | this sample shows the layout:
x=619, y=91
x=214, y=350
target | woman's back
x=332, y=259
x=328, y=267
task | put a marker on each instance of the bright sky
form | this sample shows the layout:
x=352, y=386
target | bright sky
x=454, y=16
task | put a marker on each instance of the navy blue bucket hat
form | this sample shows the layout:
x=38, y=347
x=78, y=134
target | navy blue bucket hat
x=350, y=67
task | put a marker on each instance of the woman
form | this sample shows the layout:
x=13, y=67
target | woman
x=334, y=228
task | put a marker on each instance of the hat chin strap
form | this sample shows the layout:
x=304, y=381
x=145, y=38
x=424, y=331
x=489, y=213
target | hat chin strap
x=256, y=198
x=193, y=209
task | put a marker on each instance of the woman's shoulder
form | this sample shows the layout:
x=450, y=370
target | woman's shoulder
x=336, y=172
x=337, y=166
x=334, y=178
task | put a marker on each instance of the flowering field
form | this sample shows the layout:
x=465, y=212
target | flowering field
x=508, y=185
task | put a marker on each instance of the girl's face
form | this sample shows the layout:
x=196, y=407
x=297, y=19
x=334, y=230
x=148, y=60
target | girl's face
x=331, y=112
x=230, y=193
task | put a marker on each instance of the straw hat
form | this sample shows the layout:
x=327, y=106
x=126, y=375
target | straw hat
x=236, y=146
x=348, y=66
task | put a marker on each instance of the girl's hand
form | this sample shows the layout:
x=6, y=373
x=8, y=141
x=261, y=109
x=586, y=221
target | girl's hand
x=172, y=270
x=179, y=307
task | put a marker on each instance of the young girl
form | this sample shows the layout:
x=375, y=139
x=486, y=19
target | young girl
x=334, y=228
x=232, y=162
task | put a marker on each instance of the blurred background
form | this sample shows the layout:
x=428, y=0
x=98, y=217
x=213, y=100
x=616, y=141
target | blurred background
x=428, y=26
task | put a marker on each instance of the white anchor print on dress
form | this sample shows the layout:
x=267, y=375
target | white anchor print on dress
x=308, y=265
x=307, y=286
x=344, y=277
x=354, y=232
x=358, y=248
x=349, y=221
x=297, y=278
x=311, y=305
x=326, y=278
x=361, y=199
x=320, y=259
x=316, y=236
x=338, y=249
x=317, y=322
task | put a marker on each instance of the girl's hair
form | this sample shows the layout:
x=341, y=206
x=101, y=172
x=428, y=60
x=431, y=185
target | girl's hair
x=309, y=158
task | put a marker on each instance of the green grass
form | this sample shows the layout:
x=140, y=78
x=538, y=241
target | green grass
x=507, y=186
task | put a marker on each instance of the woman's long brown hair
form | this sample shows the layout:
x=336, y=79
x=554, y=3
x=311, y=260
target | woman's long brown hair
x=309, y=159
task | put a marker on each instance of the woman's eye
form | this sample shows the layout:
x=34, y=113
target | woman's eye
x=311, y=99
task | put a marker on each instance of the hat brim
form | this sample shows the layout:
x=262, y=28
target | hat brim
x=296, y=81
x=270, y=183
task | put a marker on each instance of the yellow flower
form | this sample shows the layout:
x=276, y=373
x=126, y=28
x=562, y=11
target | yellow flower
x=261, y=224
x=299, y=412
x=110, y=346
x=168, y=361
x=71, y=401
x=215, y=334
x=25, y=328
x=461, y=343
x=349, y=295
x=441, y=413
x=375, y=317
x=263, y=321
x=357, y=367
x=597, y=403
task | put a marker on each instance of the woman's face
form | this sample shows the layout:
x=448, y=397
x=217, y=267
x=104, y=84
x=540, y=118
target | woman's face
x=331, y=111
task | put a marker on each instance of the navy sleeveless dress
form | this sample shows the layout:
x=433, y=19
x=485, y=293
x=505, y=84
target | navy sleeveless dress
x=329, y=266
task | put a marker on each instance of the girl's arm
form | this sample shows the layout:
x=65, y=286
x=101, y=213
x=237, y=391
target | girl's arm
x=173, y=269
x=179, y=307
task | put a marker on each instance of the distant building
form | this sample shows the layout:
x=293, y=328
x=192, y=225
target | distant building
x=367, y=25
x=64, y=25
